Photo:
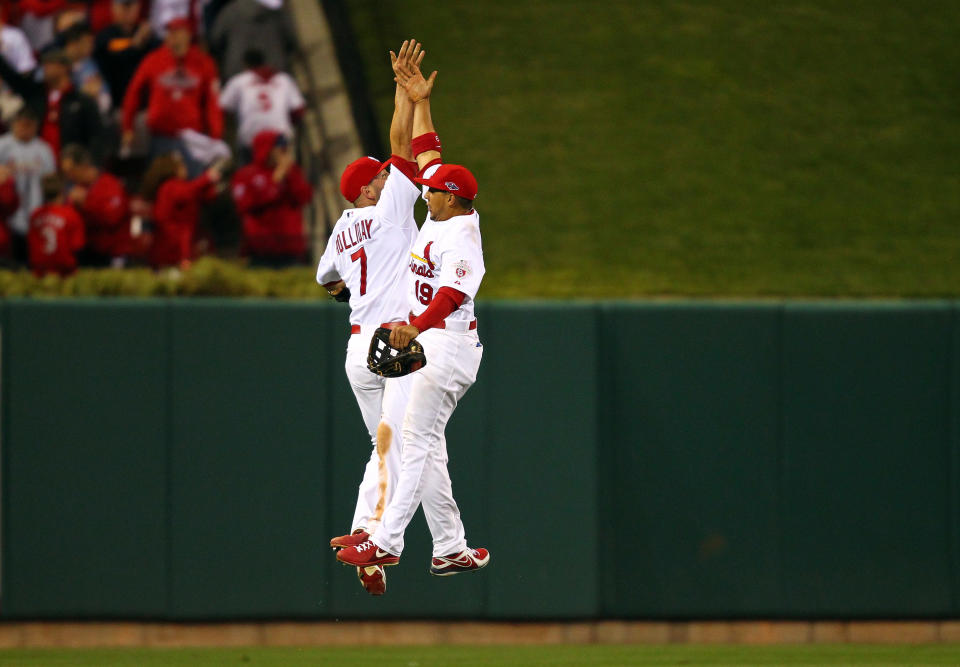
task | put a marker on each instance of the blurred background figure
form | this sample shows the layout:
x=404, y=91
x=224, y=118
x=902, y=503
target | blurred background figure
x=121, y=47
x=56, y=232
x=99, y=14
x=243, y=24
x=62, y=21
x=103, y=202
x=78, y=44
x=164, y=11
x=262, y=99
x=30, y=158
x=38, y=21
x=9, y=203
x=270, y=194
x=15, y=47
x=16, y=50
x=68, y=115
x=176, y=208
x=182, y=89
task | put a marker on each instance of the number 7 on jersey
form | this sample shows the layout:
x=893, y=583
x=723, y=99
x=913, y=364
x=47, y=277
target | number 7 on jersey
x=362, y=256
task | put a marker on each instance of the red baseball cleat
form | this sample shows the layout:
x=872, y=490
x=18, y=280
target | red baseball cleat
x=373, y=579
x=467, y=560
x=366, y=554
x=359, y=536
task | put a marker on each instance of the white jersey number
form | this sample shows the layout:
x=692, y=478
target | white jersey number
x=49, y=240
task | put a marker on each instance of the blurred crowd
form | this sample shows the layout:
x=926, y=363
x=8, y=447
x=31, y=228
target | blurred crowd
x=148, y=132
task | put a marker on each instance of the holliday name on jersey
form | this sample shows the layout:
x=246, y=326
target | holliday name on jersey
x=352, y=236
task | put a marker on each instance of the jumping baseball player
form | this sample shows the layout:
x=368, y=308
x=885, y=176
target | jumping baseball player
x=362, y=264
x=444, y=271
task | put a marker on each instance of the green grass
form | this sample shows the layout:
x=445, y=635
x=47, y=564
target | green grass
x=496, y=656
x=697, y=148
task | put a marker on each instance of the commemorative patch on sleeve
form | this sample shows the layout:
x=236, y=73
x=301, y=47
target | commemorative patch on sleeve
x=462, y=268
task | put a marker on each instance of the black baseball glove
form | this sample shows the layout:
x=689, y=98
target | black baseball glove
x=390, y=362
x=343, y=296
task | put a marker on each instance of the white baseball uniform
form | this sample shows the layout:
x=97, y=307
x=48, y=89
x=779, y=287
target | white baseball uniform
x=447, y=253
x=261, y=103
x=368, y=250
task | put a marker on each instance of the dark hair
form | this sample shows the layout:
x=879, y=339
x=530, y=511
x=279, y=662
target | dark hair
x=162, y=169
x=462, y=202
x=254, y=58
x=77, y=154
x=52, y=187
x=27, y=113
x=54, y=57
x=76, y=31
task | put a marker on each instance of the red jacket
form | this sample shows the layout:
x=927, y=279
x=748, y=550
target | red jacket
x=55, y=235
x=175, y=216
x=9, y=203
x=100, y=15
x=272, y=212
x=106, y=212
x=183, y=93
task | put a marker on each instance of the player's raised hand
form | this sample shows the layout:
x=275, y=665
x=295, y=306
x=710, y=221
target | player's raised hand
x=406, y=69
x=411, y=52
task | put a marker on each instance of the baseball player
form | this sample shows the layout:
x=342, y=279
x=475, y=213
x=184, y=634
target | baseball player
x=362, y=264
x=444, y=271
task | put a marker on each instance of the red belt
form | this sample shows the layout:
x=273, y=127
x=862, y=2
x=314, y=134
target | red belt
x=355, y=328
x=443, y=325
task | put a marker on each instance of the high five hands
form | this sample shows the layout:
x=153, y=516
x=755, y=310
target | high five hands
x=406, y=70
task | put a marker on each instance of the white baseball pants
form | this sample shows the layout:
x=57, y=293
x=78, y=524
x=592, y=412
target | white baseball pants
x=383, y=469
x=453, y=359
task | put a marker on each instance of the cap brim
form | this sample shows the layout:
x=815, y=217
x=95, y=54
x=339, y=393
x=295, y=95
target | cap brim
x=434, y=183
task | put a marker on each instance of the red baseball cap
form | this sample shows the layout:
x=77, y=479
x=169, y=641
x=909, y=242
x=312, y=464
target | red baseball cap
x=179, y=22
x=357, y=174
x=452, y=178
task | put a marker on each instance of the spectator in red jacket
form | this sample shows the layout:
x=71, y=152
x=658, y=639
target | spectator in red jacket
x=176, y=209
x=103, y=202
x=182, y=89
x=9, y=203
x=270, y=194
x=56, y=232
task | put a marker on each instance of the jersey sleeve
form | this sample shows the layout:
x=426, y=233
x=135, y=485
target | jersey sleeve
x=395, y=206
x=230, y=95
x=461, y=260
x=327, y=271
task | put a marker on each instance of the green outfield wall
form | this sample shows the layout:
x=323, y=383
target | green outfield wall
x=191, y=459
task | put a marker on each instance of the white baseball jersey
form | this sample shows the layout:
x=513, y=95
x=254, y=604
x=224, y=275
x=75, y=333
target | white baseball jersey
x=447, y=253
x=368, y=250
x=261, y=104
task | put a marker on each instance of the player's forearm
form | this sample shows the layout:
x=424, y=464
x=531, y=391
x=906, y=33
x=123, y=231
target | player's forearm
x=423, y=124
x=401, y=127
